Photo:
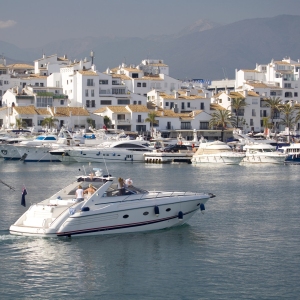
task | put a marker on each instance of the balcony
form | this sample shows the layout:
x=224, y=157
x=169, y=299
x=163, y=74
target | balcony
x=169, y=127
x=120, y=122
x=140, y=121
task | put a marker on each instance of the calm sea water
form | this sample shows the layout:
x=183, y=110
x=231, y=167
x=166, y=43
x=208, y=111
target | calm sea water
x=245, y=246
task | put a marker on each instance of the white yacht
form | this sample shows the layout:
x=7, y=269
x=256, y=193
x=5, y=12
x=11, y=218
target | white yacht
x=107, y=210
x=292, y=152
x=116, y=151
x=216, y=152
x=263, y=153
x=38, y=149
x=7, y=149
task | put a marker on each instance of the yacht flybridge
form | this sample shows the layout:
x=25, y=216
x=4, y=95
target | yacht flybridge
x=108, y=210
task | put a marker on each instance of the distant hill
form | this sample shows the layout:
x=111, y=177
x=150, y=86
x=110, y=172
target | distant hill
x=203, y=50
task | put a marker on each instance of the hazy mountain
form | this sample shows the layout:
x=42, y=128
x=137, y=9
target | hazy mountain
x=203, y=50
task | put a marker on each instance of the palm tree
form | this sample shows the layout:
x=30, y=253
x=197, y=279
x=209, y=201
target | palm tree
x=289, y=120
x=275, y=106
x=152, y=120
x=221, y=118
x=50, y=122
x=266, y=124
x=238, y=104
x=20, y=123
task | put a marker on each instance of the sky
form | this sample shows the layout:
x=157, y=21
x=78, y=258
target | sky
x=34, y=23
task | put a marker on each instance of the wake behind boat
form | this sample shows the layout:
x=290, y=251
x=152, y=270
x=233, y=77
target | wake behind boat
x=108, y=210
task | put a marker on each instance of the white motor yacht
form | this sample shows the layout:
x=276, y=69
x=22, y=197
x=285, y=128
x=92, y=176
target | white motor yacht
x=38, y=149
x=216, y=152
x=108, y=210
x=115, y=151
x=263, y=153
x=292, y=152
x=7, y=149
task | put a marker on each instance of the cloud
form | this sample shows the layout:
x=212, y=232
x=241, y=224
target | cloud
x=6, y=24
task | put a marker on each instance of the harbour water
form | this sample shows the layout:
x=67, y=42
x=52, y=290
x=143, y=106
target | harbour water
x=245, y=246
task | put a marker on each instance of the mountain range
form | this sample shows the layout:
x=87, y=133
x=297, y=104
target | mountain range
x=204, y=50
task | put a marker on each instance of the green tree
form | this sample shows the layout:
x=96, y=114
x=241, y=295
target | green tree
x=237, y=104
x=50, y=122
x=90, y=122
x=20, y=123
x=152, y=119
x=106, y=121
x=221, y=118
x=275, y=107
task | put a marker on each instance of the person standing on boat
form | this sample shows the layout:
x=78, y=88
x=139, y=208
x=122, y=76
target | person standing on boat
x=79, y=193
x=121, y=186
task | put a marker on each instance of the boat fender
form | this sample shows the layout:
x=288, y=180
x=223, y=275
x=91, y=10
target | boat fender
x=180, y=216
x=202, y=207
x=156, y=210
x=86, y=208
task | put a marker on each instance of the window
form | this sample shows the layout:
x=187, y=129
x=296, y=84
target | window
x=287, y=85
x=253, y=113
x=182, y=105
x=188, y=104
x=103, y=81
x=288, y=94
x=185, y=125
x=204, y=125
x=93, y=103
x=92, y=93
x=144, y=84
x=118, y=91
x=167, y=103
x=134, y=103
x=251, y=122
x=140, y=127
x=138, y=84
x=202, y=105
x=105, y=102
x=139, y=119
x=272, y=93
x=87, y=103
x=44, y=101
x=171, y=105
x=41, y=84
x=62, y=102
x=135, y=75
x=139, y=102
x=86, y=93
x=121, y=117
x=90, y=82
x=295, y=94
x=123, y=101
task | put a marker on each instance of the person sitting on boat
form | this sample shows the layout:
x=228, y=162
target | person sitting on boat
x=79, y=194
x=121, y=186
x=128, y=182
x=90, y=190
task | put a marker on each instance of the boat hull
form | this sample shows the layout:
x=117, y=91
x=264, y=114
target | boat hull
x=127, y=219
x=218, y=159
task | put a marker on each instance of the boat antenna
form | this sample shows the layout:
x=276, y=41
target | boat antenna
x=84, y=170
x=105, y=163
